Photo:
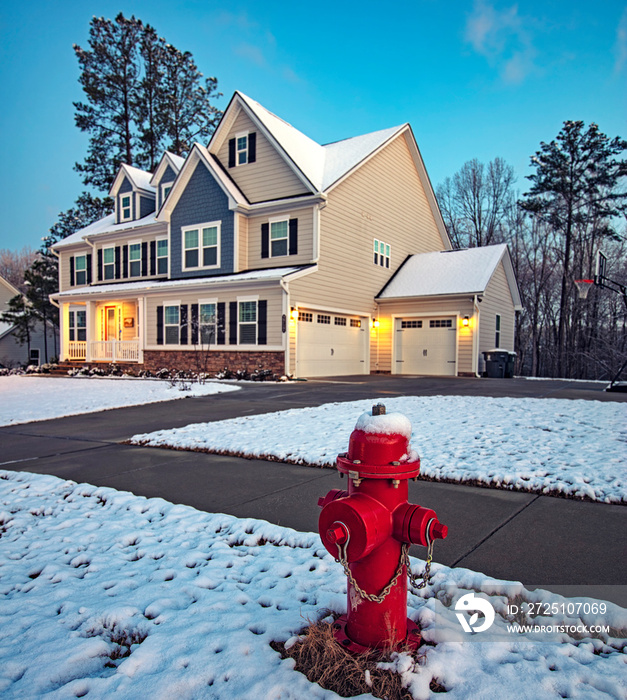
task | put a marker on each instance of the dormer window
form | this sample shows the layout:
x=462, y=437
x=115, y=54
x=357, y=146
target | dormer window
x=243, y=149
x=125, y=207
x=165, y=190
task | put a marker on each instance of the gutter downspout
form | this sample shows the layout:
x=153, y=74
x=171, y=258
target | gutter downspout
x=475, y=338
x=286, y=313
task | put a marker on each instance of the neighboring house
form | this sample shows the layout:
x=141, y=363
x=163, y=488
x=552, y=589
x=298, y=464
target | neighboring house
x=274, y=251
x=12, y=352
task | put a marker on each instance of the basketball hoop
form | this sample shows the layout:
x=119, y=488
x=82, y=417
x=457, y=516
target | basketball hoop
x=583, y=287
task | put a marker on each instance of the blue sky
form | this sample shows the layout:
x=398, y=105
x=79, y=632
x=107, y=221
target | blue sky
x=474, y=78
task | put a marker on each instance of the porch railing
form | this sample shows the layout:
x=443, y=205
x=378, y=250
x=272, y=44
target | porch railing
x=77, y=350
x=115, y=350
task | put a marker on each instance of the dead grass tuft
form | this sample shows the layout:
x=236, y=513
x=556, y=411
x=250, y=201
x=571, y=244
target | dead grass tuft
x=325, y=662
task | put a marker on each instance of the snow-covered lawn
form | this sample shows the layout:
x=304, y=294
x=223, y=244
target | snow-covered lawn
x=105, y=594
x=574, y=448
x=25, y=398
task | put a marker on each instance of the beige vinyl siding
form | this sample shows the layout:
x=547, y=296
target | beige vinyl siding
x=129, y=310
x=269, y=177
x=419, y=309
x=242, y=242
x=305, y=240
x=384, y=200
x=273, y=295
x=497, y=300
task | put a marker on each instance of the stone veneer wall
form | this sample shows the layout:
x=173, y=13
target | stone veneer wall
x=213, y=360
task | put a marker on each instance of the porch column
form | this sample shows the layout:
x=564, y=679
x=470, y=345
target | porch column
x=64, y=336
x=140, y=305
x=90, y=321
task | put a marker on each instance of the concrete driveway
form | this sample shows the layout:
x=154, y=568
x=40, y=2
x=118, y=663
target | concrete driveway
x=572, y=547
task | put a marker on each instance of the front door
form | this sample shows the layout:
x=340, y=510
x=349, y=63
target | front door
x=111, y=323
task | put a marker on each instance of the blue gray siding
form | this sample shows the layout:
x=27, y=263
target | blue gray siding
x=147, y=206
x=202, y=201
x=125, y=188
x=168, y=176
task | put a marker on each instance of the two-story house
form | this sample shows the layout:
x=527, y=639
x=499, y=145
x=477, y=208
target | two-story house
x=264, y=248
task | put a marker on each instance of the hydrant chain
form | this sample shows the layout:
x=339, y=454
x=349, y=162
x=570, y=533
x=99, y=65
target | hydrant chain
x=426, y=573
x=368, y=596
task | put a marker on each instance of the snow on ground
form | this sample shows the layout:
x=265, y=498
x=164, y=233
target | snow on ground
x=105, y=594
x=25, y=398
x=574, y=448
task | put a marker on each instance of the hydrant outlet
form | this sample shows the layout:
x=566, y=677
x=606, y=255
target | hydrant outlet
x=337, y=533
x=439, y=531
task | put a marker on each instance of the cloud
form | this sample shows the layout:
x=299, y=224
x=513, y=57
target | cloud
x=620, y=48
x=504, y=38
x=252, y=53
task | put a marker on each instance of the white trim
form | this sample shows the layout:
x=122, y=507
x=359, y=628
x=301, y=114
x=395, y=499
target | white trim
x=241, y=135
x=249, y=297
x=331, y=309
x=218, y=348
x=279, y=220
x=121, y=218
x=199, y=228
x=157, y=256
x=162, y=186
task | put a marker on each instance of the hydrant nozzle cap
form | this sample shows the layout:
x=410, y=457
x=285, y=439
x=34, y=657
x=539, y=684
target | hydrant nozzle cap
x=378, y=410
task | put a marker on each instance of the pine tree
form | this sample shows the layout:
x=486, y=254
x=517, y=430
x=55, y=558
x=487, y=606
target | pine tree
x=186, y=112
x=577, y=191
x=109, y=77
x=85, y=211
x=20, y=314
x=141, y=94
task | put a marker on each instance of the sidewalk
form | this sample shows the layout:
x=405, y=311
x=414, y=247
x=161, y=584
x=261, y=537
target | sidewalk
x=542, y=541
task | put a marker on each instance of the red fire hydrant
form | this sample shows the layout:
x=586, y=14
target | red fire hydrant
x=369, y=529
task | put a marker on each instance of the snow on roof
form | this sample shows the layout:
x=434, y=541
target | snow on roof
x=139, y=178
x=270, y=274
x=446, y=272
x=5, y=328
x=104, y=225
x=342, y=156
x=305, y=152
x=321, y=165
x=228, y=184
x=177, y=161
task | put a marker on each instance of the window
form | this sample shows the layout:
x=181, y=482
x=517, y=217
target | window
x=381, y=253
x=411, y=324
x=77, y=323
x=306, y=316
x=207, y=323
x=171, y=324
x=278, y=238
x=248, y=322
x=323, y=318
x=355, y=323
x=162, y=256
x=125, y=203
x=201, y=246
x=339, y=321
x=135, y=259
x=242, y=148
x=165, y=191
x=441, y=323
x=80, y=269
x=497, y=335
x=108, y=260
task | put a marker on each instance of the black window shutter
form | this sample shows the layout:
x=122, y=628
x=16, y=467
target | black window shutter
x=117, y=262
x=72, y=282
x=125, y=261
x=153, y=257
x=99, y=264
x=232, y=323
x=231, y=153
x=144, y=258
x=159, y=325
x=262, y=322
x=265, y=240
x=89, y=268
x=252, y=147
x=293, y=237
x=183, y=329
x=194, y=333
x=221, y=322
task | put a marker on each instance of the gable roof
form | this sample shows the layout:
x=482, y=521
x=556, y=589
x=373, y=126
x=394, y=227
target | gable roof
x=139, y=179
x=171, y=159
x=465, y=271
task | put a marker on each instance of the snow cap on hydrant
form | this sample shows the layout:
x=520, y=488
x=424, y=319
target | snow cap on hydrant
x=369, y=529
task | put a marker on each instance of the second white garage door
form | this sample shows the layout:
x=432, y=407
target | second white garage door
x=330, y=344
x=426, y=345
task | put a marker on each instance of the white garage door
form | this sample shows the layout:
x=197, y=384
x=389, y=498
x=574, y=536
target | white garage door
x=330, y=344
x=426, y=345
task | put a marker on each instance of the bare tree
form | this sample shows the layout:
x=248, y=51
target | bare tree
x=14, y=263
